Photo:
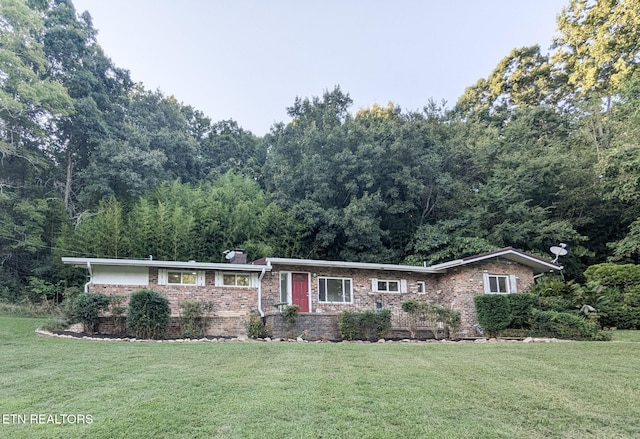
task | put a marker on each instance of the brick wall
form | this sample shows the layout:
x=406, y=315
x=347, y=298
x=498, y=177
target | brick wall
x=309, y=326
x=455, y=289
x=459, y=285
x=233, y=305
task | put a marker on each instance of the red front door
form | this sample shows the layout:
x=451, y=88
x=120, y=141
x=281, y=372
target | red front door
x=300, y=290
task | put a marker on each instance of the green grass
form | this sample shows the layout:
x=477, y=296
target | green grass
x=626, y=335
x=291, y=390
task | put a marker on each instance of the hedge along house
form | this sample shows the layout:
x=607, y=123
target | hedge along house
x=322, y=289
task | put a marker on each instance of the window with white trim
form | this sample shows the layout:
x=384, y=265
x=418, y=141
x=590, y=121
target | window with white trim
x=285, y=287
x=422, y=288
x=334, y=289
x=231, y=279
x=180, y=277
x=389, y=286
x=499, y=284
x=236, y=279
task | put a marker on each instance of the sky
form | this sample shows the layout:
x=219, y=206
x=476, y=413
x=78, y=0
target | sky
x=248, y=60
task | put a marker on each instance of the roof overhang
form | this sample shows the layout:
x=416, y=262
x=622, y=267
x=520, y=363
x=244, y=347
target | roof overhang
x=538, y=265
x=190, y=265
x=349, y=265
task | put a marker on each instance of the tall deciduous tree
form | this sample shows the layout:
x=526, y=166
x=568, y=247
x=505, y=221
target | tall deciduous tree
x=99, y=90
x=598, y=45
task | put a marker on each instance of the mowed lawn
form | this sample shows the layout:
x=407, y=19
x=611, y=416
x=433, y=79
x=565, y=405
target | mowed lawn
x=310, y=390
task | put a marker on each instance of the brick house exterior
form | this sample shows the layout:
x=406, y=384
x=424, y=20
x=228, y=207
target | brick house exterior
x=322, y=289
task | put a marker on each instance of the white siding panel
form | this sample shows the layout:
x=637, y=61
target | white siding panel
x=109, y=275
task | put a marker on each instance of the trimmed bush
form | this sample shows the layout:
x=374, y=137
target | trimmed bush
x=522, y=306
x=493, y=312
x=85, y=308
x=148, y=315
x=564, y=325
x=256, y=327
x=364, y=325
x=349, y=325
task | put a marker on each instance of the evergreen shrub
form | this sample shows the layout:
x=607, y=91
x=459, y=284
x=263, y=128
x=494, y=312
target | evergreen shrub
x=522, y=305
x=148, y=315
x=85, y=308
x=565, y=325
x=493, y=312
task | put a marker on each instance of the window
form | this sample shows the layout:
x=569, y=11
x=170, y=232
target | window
x=236, y=280
x=499, y=284
x=421, y=287
x=180, y=277
x=334, y=290
x=388, y=286
x=285, y=282
x=392, y=286
x=245, y=280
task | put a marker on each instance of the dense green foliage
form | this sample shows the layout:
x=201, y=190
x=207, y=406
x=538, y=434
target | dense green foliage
x=521, y=306
x=364, y=325
x=86, y=308
x=565, y=325
x=148, y=314
x=614, y=290
x=552, y=308
x=544, y=150
x=256, y=327
x=493, y=312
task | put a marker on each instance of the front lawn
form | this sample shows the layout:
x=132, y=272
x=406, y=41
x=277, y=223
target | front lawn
x=298, y=390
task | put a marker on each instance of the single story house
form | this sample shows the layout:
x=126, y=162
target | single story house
x=322, y=289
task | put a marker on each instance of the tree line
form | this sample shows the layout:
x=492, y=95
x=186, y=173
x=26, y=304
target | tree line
x=544, y=150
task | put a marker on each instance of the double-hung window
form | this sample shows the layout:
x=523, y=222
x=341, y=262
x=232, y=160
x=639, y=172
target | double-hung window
x=499, y=284
x=334, y=289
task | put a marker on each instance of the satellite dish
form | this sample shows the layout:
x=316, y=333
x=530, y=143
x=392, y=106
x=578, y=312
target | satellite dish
x=559, y=250
x=229, y=255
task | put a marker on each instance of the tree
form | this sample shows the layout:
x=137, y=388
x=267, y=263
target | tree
x=525, y=77
x=598, y=46
x=98, y=88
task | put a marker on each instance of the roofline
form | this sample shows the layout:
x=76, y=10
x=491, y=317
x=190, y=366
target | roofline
x=534, y=261
x=353, y=265
x=83, y=262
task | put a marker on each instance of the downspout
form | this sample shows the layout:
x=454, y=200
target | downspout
x=264, y=270
x=86, y=286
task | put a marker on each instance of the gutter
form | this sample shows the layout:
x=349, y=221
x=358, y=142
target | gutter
x=264, y=270
x=86, y=286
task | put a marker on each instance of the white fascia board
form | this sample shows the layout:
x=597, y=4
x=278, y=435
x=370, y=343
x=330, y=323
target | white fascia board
x=537, y=264
x=352, y=265
x=82, y=262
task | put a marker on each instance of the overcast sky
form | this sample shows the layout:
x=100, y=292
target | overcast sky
x=247, y=60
